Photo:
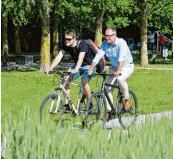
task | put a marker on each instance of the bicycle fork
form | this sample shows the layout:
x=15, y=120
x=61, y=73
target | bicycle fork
x=57, y=105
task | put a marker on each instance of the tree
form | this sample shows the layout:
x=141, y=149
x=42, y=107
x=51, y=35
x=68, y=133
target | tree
x=98, y=32
x=4, y=40
x=156, y=14
x=44, y=8
x=160, y=15
x=5, y=11
x=19, y=11
x=144, y=20
x=55, y=23
x=110, y=13
x=118, y=13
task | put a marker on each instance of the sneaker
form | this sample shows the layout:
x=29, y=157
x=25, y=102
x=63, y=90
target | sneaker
x=66, y=108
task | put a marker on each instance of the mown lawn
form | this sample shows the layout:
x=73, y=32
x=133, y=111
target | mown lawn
x=154, y=89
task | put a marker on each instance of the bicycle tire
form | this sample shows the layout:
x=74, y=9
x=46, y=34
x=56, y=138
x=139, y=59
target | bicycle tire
x=51, y=104
x=96, y=111
x=126, y=119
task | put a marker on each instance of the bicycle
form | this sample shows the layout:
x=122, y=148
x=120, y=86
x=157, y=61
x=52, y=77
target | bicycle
x=54, y=102
x=98, y=99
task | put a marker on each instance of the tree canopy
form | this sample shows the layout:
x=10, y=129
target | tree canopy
x=86, y=16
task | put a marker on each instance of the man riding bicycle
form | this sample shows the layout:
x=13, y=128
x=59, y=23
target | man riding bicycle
x=82, y=55
x=122, y=65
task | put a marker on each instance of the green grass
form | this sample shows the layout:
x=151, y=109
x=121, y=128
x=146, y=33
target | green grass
x=27, y=89
x=22, y=93
x=153, y=89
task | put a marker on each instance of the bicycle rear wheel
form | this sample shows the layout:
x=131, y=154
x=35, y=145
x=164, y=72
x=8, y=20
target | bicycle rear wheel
x=96, y=110
x=51, y=105
x=126, y=119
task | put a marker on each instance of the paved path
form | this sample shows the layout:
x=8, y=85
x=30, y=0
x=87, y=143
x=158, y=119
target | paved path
x=140, y=119
x=151, y=68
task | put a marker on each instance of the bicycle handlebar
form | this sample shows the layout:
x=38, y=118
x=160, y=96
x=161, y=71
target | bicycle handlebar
x=104, y=74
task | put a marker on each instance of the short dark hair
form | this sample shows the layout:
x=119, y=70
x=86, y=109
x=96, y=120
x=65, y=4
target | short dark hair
x=71, y=32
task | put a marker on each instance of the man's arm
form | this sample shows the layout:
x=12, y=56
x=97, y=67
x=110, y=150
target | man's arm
x=95, y=61
x=57, y=60
x=118, y=70
x=79, y=62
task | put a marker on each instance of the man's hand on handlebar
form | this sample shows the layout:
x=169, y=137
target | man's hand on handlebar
x=73, y=71
x=117, y=73
x=90, y=72
x=47, y=71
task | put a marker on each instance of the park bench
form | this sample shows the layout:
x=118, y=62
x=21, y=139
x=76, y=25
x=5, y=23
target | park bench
x=27, y=59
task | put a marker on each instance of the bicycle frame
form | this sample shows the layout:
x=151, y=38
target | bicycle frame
x=104, y=92
x=79, y=100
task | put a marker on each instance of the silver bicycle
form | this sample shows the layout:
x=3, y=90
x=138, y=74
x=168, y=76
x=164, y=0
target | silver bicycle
x=53, y=104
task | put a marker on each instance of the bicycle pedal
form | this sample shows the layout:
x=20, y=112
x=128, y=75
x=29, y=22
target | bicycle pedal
x=73, y=114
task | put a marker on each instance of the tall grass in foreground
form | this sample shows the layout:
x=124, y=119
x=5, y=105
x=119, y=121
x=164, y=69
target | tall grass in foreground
x=28, y=139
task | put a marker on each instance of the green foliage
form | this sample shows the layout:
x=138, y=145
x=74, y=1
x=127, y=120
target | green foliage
x=118, y=13
x=160, y=15
x=19, y=11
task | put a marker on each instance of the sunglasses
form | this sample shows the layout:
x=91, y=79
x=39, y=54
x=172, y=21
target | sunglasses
x=68, y=39
x=108, y=36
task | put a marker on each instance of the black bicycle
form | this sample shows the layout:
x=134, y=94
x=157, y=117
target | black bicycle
x=98, y=100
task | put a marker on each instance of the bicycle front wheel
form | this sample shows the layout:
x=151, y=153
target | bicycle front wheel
x=126, y=119
x=51, y=105
x=96, y=110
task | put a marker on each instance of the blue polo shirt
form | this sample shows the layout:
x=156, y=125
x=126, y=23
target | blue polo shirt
x=117, y=52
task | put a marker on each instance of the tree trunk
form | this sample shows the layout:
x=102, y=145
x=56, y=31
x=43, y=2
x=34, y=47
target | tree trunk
x=17, y=39
x=4, y=41
x=55, y=40
x=98, y=34
x=144, y=53
x=45, y=42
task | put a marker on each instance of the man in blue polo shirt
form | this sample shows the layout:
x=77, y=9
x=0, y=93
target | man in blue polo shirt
x=122, y=65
